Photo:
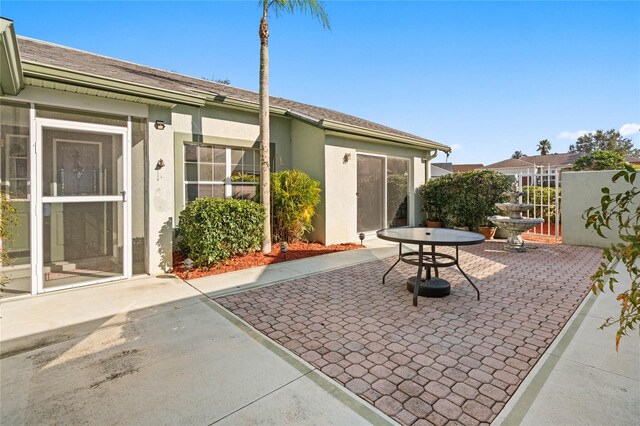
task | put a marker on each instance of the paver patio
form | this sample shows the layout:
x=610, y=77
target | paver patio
x=451, y=359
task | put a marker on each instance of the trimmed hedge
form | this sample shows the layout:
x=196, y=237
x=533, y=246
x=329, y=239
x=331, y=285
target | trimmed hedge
x=213, y=230
x=464, y=199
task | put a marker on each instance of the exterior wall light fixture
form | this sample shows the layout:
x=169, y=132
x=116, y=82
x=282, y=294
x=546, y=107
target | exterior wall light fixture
x=159, y=125
x=346, y=158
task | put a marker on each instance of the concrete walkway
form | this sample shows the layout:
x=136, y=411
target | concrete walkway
x=581, y=379
x=155, y=350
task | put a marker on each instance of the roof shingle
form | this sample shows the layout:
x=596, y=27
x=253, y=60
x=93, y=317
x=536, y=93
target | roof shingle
x=36, y=51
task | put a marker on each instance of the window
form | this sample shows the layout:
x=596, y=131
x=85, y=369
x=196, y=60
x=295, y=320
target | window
x=245, y=172
x=220, y=172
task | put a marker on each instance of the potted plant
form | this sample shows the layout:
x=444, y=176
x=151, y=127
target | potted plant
x=437, y=223
x=488, y=230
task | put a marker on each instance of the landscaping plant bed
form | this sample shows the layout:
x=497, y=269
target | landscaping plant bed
x=297, y=250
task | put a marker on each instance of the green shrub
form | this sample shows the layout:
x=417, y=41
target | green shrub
x=294, y=196
x=465, y=199
x=538, y=195
x=600, y=160
x=212, y=230
x=8, y=220
x=434, y=198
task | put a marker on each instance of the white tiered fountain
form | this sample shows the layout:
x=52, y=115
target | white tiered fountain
x=514, y=223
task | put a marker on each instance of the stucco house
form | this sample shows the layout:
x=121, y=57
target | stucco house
x=99, y=156
x=536, y=164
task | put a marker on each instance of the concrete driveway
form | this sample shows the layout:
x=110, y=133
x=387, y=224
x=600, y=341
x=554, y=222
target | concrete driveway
x=154, y=351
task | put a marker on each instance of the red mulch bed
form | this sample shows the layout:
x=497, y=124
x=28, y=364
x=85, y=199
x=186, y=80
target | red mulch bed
x=297, y=250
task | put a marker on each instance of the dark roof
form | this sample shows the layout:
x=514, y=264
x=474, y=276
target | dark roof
x=444, y=166
x=458, y=167
x=553, y=160
x=37, y=51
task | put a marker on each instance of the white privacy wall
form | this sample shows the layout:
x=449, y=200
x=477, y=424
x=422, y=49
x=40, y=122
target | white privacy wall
x=581, y=190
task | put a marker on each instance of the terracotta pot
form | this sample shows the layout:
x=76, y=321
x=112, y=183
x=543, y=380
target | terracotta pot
x=434, y=223
x=488, y=231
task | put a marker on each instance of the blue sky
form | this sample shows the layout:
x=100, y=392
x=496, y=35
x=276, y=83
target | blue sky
x=486, y=78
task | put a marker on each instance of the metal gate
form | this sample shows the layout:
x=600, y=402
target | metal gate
x=542, y=188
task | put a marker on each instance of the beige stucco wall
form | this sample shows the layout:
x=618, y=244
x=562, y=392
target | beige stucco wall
x=341, y=183
x=232, y=127
x=307, y=154
x=420, y=169
x=297, y=145
x=340, y=194
x=160, y=192
x=581, y=190
x=225, y=127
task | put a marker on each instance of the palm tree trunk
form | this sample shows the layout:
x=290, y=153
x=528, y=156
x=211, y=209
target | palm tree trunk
x=265, y=190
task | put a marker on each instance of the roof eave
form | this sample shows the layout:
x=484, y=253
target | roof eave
x=351, y=129
x=63, y=75
x=11, y=76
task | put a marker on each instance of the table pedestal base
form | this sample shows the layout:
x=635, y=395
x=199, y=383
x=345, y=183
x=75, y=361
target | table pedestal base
x=434, y=287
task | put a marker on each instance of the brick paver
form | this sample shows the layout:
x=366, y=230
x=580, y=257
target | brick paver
x=453, y=359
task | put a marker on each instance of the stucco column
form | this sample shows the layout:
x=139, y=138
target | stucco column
x=421, y=172
x=160, y=192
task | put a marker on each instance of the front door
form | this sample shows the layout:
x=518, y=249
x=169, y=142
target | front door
x=82, y=204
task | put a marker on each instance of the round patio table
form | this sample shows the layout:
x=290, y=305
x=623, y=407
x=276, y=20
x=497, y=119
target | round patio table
x=434, y=237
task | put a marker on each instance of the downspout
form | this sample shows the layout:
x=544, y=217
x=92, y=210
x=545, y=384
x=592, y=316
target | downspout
x=433, y=153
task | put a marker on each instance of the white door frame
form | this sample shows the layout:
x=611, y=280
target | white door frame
x=37, y=255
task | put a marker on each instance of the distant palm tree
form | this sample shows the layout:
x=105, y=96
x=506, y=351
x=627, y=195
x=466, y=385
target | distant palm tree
x=518, y=154
x=544, y=146
x=277, y=6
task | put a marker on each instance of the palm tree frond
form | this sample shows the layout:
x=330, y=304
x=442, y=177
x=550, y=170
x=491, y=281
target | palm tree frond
x=314, y=7
x=544, y=146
